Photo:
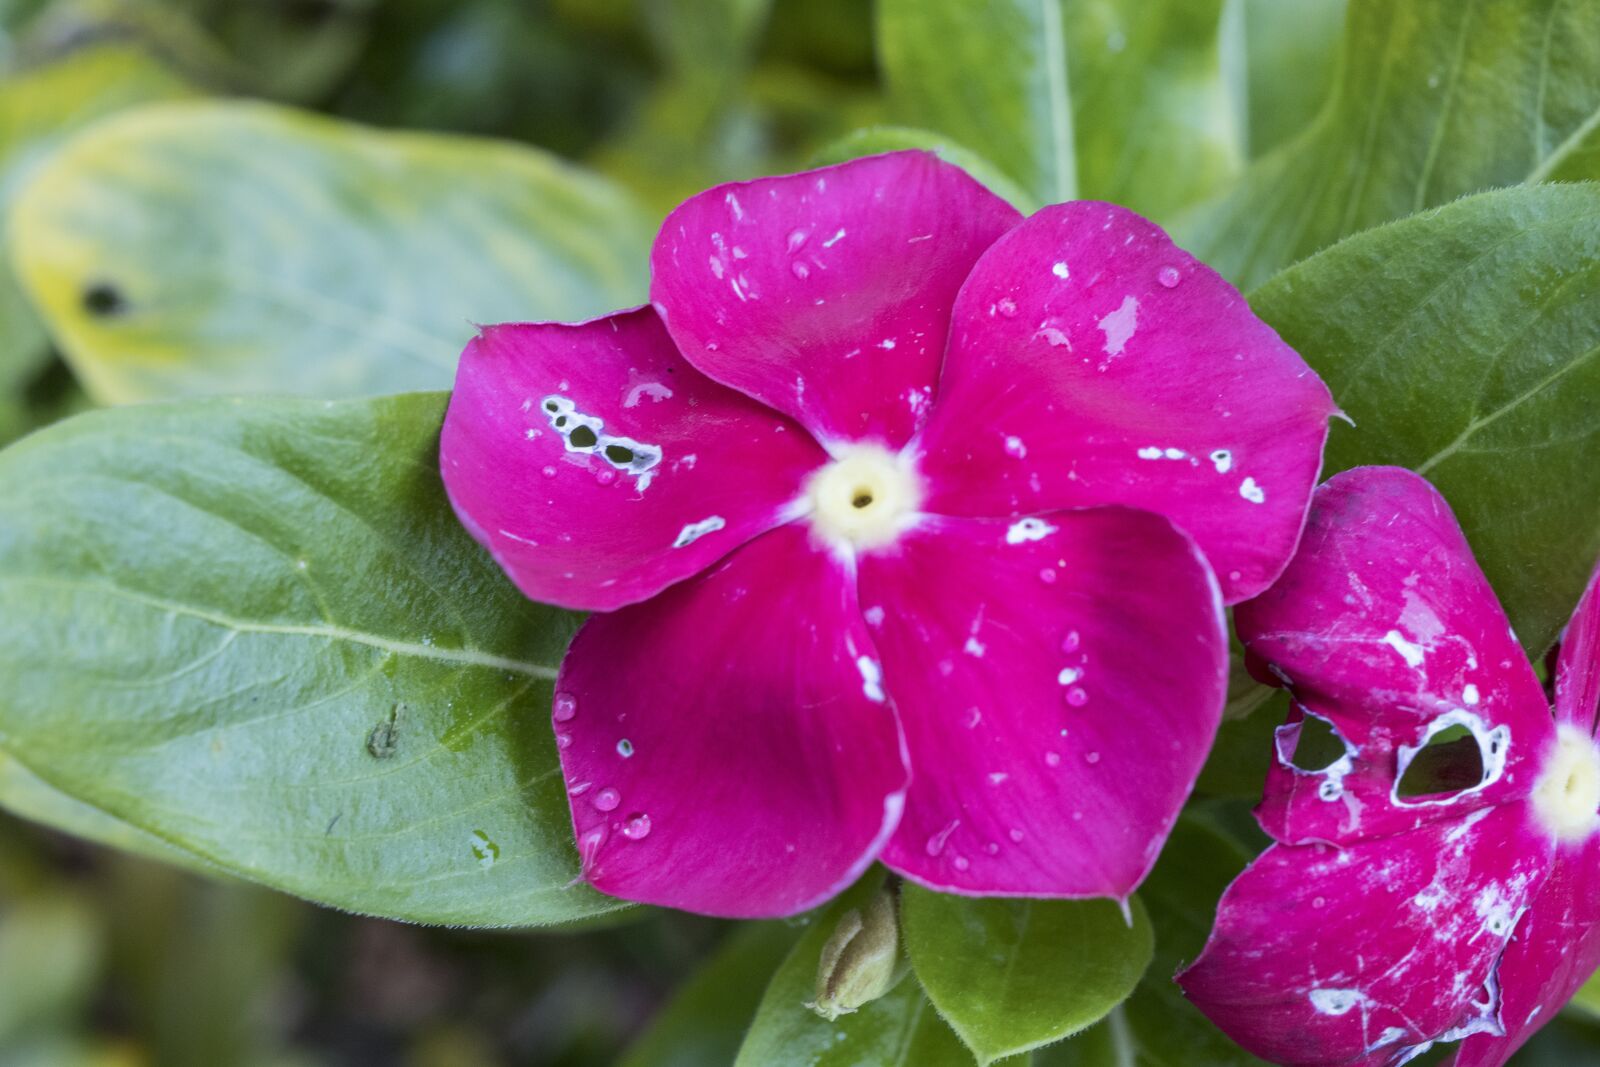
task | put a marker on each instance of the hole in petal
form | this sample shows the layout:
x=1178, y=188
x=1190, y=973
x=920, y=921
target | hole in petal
x=617, y=454
x=103, y=300
x=1448, y=762
x=1318, y=745
x=583, y=437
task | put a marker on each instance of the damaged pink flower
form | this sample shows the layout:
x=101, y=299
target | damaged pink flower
x=839, y=492
x=1386, y=919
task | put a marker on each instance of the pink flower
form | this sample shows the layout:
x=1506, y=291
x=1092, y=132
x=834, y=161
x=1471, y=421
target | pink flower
x=854, y=605
x=1381, y=922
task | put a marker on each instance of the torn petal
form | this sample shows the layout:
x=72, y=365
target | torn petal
x=1327, y=955
x=1578, y=663
x=1384, y=626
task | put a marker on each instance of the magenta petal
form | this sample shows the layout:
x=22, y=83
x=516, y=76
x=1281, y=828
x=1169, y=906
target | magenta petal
x=1324, y=955
x=1578, y=664
x=1555, y=950
x=598, y=467
x=827, y=294
x=727, y=745
x=1094, y=362
x=1384, y=626
x=1060, y=679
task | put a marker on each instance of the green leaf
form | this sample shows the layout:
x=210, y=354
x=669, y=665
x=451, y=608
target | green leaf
x=1464, y=344
x=707, y=1017
x=255, y=630
x=992, y=74
x=1290, y=57
x=900, y=1029
x=1434, y=99
x=1113, y=99
x=233, y=247
x=24, y=793
x=1013, y=975
x=878, y=139
x=1157, y=1026
x=38, y=110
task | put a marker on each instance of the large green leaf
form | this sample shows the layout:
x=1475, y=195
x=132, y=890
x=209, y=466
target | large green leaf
x=900, y=1029
x=1114, y=99
x=1013, y=975
x=233, y=247
x=1157, y=1026
x=706, y=1020
x=38, y=109
x=1434, y=99
x=255, y=630
x=1464, y=344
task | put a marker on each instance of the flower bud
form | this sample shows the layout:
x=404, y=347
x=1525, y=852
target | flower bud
x=858, y=963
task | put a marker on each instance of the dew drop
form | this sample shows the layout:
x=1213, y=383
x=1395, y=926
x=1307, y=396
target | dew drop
x=607, y=799
x=579, y=789
x=605, y=477
x=1168, y=277
x=625, y=748
x=1052, y=759
x=1318, y=902
x=1006, y=306
x=797, y=239
x=992, y=848
x=563, y=740
x=935, y=843
x=1070, y=642
x=962, y=863
x=1015, y=448
x=1048, y=576
x=800, y=270
x=637, y=828
x=1016, y=836
x=565, y=707
x=1092, y=757
x=1077, y=697
x=549, y=472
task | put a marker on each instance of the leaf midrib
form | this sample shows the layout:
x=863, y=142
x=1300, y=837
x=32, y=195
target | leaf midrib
x=464, y=657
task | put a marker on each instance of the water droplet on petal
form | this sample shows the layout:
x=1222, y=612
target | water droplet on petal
x=607, y=799
x=549, y=472
x=1077, y=697
x=1052, y=759
x=563, y=740
x=1006, y=307
x=1070, y=642
x=1048, y=576
x=605, y=477
x=564, y=708
x=1016, y=836
x=992, y=848
x=935, y=843
x=1168, y=277
x=797, y=238
x=624, y=748
x=800, y=269
x=962, y=863
x=1092, y=757
x=637, y=827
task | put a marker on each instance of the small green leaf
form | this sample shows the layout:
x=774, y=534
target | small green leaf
x=38, y=110
x=207, y=608
x=213, y=247
x=1434, y=99
x=878, y=139
x=1464, y=344
x=1122, y=100
x=707, y=1017
x=1013, y=975
x=899, y=1029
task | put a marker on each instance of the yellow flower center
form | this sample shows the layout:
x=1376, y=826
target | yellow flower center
x=866, y=497
x=1566, y=797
